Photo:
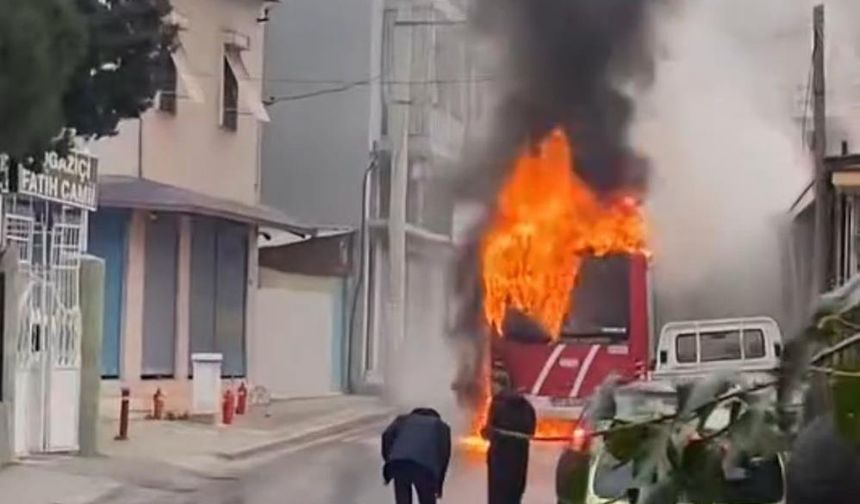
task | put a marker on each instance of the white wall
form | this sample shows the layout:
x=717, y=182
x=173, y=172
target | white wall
x=296, y=330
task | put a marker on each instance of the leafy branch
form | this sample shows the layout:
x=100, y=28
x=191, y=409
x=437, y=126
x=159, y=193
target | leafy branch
x=720, y=428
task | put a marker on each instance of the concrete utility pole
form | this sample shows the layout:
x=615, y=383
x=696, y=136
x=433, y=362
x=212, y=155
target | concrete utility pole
x=10, y=293
x=399, y=104
x=92, y=310
x=823, y=207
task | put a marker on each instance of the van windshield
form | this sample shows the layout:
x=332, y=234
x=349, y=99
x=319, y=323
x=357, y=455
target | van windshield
x=600, y=302
x=760, y=482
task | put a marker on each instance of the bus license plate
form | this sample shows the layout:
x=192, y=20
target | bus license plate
x=564, y=402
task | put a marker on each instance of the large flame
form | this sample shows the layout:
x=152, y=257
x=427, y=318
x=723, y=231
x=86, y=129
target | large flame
x=547, y=220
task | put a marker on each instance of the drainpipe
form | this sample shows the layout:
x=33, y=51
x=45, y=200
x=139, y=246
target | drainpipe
x=363, y=274
x=140, y=147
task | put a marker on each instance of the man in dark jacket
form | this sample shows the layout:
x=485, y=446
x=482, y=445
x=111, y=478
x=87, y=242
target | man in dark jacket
x=508, y=456
x=416, y=449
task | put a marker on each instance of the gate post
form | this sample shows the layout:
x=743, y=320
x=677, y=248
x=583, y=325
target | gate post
x=10, y=295
x=92, y=283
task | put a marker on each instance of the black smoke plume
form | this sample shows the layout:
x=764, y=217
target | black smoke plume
x=569, y=64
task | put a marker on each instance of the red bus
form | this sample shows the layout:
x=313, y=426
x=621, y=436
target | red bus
x=606, y=332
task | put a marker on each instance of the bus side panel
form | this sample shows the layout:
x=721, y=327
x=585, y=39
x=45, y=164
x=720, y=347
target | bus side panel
x=526, y=363
x=608, y=360
x=564, y=370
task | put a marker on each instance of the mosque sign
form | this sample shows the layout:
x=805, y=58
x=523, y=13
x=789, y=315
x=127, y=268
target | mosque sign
x=70, y=179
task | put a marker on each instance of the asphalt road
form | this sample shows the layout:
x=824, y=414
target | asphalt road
x=347, y=470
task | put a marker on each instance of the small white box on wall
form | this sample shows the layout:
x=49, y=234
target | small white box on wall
x=206, y=386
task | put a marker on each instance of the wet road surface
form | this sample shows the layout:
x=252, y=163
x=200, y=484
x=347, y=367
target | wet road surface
x=347, y=470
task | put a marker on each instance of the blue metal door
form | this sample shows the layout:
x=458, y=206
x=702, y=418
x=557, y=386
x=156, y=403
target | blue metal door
x=108, y=232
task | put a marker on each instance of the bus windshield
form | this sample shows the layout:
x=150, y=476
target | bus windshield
x=600, y=301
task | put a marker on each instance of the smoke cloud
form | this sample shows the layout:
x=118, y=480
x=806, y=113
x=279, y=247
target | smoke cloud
x=716, y=93
x=567, y=63
x=723, y=127
x=556, y=63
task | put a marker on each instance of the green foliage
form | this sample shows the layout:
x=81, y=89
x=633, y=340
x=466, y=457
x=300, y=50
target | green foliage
x=118, y=76
x=700, y=471
x=718, y=424
x=846, y=398
x=572, y=477
x=624, y=440
x=662, y=492
x=41, y=44
x=76, y=66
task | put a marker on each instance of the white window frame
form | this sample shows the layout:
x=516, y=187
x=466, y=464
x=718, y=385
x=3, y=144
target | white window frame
x=248, y=92
x=184, y=73
x=222, y=62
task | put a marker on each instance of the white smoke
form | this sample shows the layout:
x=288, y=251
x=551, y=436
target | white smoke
x=423, y=363
x=722, y=127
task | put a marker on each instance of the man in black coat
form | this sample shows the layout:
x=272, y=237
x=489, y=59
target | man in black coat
x=416, y=449
x=508, y=456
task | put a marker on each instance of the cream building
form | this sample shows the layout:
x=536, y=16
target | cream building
x=179, y=209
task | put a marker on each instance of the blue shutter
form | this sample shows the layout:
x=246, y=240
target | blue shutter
x=219, y=257
x=159, y=305
x=230, y=288
x=203, y=271
x=108, y=234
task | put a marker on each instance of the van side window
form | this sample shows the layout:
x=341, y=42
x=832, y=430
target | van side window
x=685, y=348
x=721, y=345
x=753, y=344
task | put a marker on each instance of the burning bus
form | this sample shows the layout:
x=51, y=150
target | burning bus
x=605, y=333
x=564, y=286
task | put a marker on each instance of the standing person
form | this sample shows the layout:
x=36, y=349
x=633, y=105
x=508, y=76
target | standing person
x=508, y=456
x=416, y=449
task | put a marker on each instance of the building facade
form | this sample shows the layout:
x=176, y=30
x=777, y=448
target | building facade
x=302, y=309
x=366, y=129
x=179, y=209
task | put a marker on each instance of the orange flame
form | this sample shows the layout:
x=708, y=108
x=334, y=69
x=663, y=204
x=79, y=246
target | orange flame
x=547, y=220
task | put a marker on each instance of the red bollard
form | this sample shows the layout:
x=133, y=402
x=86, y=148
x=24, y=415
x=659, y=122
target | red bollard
x=158, y=405
x=228, y=407
x=242, y=399
x=123, y=415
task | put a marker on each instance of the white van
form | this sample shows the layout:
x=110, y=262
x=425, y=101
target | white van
x=695, y=348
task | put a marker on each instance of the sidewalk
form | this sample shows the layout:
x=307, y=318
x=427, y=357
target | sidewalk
x=206, y=448
x=179, y=456
x=29, y=484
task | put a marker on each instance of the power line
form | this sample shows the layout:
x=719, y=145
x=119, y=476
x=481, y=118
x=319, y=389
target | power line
x=319, y=92
x=341, y=82
x=466, y=80
x=346, y=86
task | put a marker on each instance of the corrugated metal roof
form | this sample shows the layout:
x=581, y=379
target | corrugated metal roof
x=118, y=191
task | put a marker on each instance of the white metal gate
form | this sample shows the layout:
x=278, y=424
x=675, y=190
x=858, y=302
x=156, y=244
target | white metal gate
x=51, y=238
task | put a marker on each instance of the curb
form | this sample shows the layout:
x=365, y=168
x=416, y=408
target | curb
x=302, y=437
